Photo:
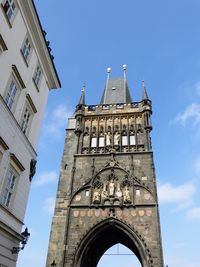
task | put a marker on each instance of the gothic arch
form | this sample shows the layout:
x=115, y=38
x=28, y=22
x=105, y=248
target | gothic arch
x=106, y=234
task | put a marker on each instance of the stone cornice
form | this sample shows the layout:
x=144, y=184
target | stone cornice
x=33, y=24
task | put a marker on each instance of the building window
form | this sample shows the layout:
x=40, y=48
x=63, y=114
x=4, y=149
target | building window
x=94, y=142
x=26, y=49
x=8, y=190
x=137, y=192
x=37, y=77
x=26, y=119
x=101, y=141
x=124, y=140
x=9, y=7
x=132, y=140
x=11, y=94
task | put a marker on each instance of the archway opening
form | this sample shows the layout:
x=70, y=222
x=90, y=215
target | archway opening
x=104, y=236
x=119, y=255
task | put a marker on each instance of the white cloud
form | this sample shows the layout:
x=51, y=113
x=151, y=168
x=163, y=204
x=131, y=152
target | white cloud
x=44, y=178
x=192, y=113
x=49, y=205
x=182, y=195
x=193, y=213
x=57, y=121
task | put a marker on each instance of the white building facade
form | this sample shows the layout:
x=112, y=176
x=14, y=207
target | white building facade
x=27, y=73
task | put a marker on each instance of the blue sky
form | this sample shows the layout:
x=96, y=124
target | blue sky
x=159, y=41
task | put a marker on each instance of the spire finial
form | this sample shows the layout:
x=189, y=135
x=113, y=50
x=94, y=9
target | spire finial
x=83, y=88
x=143, y=86
x=124, y=68
x=82, y=98
x=108, y=72
x=108, y=77
x=144, y=92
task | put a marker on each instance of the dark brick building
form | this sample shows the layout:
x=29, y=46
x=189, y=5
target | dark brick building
x=107, y=189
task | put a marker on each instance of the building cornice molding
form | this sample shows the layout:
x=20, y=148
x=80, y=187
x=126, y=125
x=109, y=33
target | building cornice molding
x=17, y=162
x=3, y=144
x=32, y=21
x=18, y=76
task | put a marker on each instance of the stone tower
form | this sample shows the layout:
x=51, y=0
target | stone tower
x=107, y=189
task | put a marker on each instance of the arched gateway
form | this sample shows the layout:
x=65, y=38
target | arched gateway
x=107, y=190
x=104, y=235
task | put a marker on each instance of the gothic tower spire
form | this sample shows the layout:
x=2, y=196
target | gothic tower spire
x=107, y=187
x=144, y=92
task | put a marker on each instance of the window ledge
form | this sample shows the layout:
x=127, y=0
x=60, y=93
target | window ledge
x=36, y=86
x=18, y=76
x=8, y=21
x=3, y=44
x=25, y=61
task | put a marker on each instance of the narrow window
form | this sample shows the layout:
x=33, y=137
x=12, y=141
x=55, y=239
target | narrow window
x=124, y=140
x=9, y=186
x=26, y=119
x=132, y=140
x=26, y=49
x=101, y=141
x=9, y=8
x=37, y=76
x=11, y=94
x=94, y=142
x=137, y=192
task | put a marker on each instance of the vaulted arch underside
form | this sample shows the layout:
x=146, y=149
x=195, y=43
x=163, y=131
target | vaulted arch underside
x=103, y=236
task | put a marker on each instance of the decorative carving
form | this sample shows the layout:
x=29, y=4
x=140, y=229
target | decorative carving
x=32, y=169
x=116, y=139
x=111, y=192
x=126, y=195
x=108, y=138
x=96, y=197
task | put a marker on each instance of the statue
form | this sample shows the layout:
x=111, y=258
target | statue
x=104, y=193
x=116, y=139
x=108, y=139
x=111, y=188
x=118, y=192
x=127, y=198
x=96, y=197
x=86, y=140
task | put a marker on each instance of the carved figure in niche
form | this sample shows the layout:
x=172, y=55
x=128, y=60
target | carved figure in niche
x=116, y=139
x=111, y=188
x=78, y=123
x=126, y=197
x=108, y=138
x=86, y=140
x=104, y=192
x=118, y=193
x=96, y=197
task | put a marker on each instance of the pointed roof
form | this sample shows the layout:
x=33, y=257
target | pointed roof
x=82, y=98
x=116, y=90
x=144, y=92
